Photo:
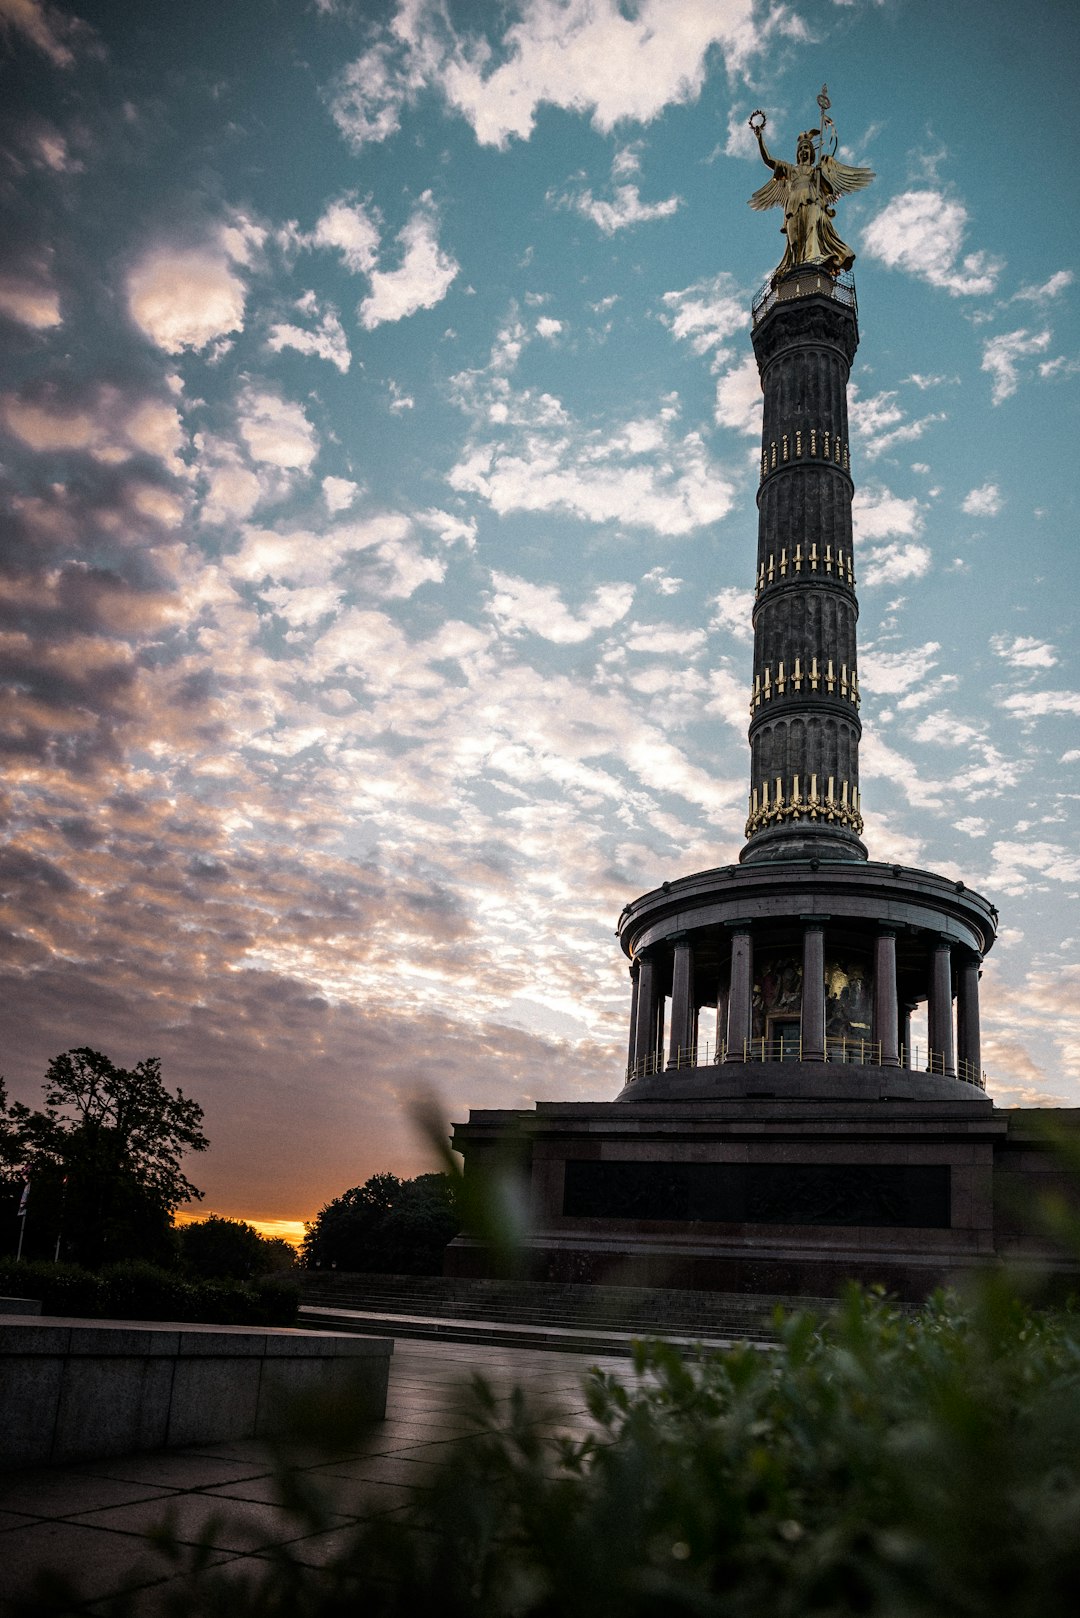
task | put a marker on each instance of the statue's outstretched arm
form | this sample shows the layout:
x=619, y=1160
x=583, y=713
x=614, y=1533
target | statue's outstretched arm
x=766, y=155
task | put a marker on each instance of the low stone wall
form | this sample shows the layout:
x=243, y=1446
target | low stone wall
x=77, y=1389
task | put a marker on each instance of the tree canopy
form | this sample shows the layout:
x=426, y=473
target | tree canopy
x=215, y=1248
x=386, y=1225
x=103, y=1158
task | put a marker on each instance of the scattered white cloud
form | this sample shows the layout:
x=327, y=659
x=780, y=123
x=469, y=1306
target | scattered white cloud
x=276, y=431
x=972, y=826
x=739, y=398
x=1002, y=354
x=889, y=673
x=51, y=30
x=516, y=606
x=732, y=611
x=548, y=327
x=586, y=56
x=890, y=564
x=325, y=340
x=31, y=301
x=348, y=226
x=881, y=424
x=1040, y=704
x=706, y=314
x=340, y=493
x=922, y=232
x=624, y=208
x=191, y=296
x=421, y=280
x=877, y=513
x=1025, y=651
x=986, y=501
x=1049, y=289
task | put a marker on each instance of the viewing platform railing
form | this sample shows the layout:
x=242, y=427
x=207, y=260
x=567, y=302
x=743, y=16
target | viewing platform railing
x=855, y=1052
x=806, y=281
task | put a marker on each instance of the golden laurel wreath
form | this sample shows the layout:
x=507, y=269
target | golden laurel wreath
x=757, y=127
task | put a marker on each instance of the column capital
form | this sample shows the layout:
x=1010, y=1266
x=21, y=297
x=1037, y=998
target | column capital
x=816, y=921
x=741, y=925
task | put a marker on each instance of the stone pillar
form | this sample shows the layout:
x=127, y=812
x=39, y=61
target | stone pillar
x=740, y=996
x=813, y=989
x=631, y=1055
x=683, y=1007
x=721, y=1020
x=940, y=1020
x=905, y=1034
x=886, y=1007
x=968, y=1040
x=648, y=1006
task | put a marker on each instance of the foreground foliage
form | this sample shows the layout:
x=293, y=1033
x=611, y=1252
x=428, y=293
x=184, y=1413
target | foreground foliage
x=877, y=1463
x=135, y=1290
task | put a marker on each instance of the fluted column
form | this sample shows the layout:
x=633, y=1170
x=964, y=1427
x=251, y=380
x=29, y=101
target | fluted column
x=905, y=1033
x=648, y=1005
x=813, y=990
x=681, y=1037
x=740, y=997
x=969, y=1043
x=631, y=1055
x=886, y=1006
x=940, y=1008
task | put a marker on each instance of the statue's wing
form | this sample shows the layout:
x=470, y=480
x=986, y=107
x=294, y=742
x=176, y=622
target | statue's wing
x=844, y=177
x=772, y=194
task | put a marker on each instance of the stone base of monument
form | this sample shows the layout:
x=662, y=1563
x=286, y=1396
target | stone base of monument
x=766, y=1193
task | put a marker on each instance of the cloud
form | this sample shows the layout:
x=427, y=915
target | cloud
x=644, y=474
x=104, y=423
x=548, y=327
x=705, y=314
x=421, y=280
x=1001, y=356
x=739, y=398
x=880, y=422
x=733, y=613
x=1041, y=704
x=877, y=513
x=985, y=501
x=922, y=232
x=1025, y=651
x=517, y=605
x=190, y=297
x=1049, y=289
x=340, y=493
x=586, y=56
x=347, y=226
x=326, y=341
x=890, y=673
x=44, y=26
x=30, y=301
x=276, y=431
x=892, y=564
x=624, y=209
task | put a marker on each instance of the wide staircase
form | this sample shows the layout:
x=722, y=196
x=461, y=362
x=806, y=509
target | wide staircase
x=578, y=1318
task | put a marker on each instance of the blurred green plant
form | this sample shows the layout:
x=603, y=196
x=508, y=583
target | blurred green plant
x=875, y=1463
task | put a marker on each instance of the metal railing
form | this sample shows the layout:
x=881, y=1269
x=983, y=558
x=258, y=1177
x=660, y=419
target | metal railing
x=853, y=1052
x=805, y=280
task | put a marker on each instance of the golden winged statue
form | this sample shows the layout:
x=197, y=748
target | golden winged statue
x=806, y=190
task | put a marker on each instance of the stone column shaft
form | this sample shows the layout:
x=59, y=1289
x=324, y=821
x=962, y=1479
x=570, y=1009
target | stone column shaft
x=940, y=1019
x=886, y=1007
x=969, y=1043
x=648, y=1004
x=631, y=1056
x=681, y=1037
x=740, y=998
x=813, y=993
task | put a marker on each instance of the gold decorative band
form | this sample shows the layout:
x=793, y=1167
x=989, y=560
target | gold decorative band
x=811, y=443
x=780, y=683
x=784, y=801
x=838, y=566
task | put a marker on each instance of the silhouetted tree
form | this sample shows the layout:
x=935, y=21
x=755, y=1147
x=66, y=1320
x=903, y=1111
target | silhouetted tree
x=104, y=1158
x=386, y=1225
x=216, y=1248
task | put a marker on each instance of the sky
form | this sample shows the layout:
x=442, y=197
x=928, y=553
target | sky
x=378, y=438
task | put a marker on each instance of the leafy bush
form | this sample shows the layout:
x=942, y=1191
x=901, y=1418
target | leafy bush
x=216, y=1248
x=877, y=1464
x=386, y=1226
x=138, y=1291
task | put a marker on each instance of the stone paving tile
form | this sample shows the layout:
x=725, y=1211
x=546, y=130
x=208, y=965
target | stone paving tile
x=176, y=1469
x=255, y=1450
x=63, y=1494
x=380, y=1469
x=98, y=1563
x=12, y=1519
x=225, y=1525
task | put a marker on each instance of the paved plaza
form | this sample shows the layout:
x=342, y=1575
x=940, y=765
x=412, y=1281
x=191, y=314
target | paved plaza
x=88, y=1523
